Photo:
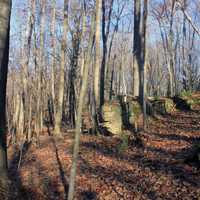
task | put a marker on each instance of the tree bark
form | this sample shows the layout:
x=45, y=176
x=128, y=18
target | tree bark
x=40, y=66
x=143, y=70
x=105, y=34
x=95, y=101
x=58, y=117
x=5, y=12
x=53, y=47
x=97, y=50
x=136, y=47
x=139, y=50
x=83, y=92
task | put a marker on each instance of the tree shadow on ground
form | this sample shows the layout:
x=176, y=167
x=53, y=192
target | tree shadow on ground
x=49, y=186
x=14, y=175
x=129, y=180
x=184, y=127
x=61, y=171
x=155, y=165
x=176, y=137
x=88, y=195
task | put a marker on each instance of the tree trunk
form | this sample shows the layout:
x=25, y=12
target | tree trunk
x=97, y=50
x=26, y=51
x=95, y=101
x=83, y=92
x=20, y=119
x=112, y=79
x=105, y=34
x=171, y=66
x=140, y=54
x=39, y=120
x=59, y=110
x=4, y=58
x=53, y=47
x=143, y=71
x=136, y=47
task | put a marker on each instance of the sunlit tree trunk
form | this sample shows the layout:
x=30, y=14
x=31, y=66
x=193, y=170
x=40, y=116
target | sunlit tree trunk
x=40, y=66
x=97, y=50
x=53, y=47
x=26, y=51
x=20, y=119
x=144, y=61
x=82, y=95
x=59, y=109
x=170, y=63
x=28, y=103
x=96, y=66
x=105, y=34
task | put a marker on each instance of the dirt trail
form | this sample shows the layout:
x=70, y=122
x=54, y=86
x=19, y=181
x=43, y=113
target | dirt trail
x=154, y=171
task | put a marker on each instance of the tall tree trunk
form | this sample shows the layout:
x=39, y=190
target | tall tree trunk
x=136, y=47
x=72, y=75
x=39, y=119
x=30, y=28
x=102, y=74
x=95, y=97
x=140, y=53
x=4, y=58
x=26, y=51
x=105, y=34
x=59, y=110
x=171, y=66
x=53, y=47
x=143, y=66
x=82, y=56
x=97, y=50
x=83, y=92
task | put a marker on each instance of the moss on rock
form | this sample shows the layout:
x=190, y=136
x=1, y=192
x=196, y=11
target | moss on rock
x=134, y=111
x=160, y=106
x=169, y=105
x=112, y=119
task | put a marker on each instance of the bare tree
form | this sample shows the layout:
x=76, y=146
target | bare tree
x=59, y=110
x=143, y=60
x=40, y=68
x=95, y=100
x=139, y=52
x=97, y=50
x=105, y=34
x=4, y=58
x=136, y=47
x=79, y=112
x=53, y=47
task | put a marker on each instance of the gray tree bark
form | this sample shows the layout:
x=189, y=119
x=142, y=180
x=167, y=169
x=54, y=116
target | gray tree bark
x=53, y=47
x=143, y=66
x=59, y=110
x=95, y=100
x=83, y=92
x=105, y=34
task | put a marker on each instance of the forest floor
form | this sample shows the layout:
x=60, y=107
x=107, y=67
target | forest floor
x=155, y=170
